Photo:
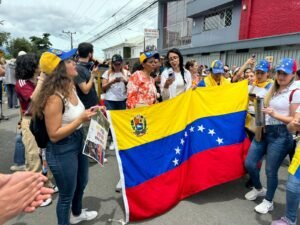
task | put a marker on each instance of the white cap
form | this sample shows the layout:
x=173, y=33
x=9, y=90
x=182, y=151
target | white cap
x=21, y=53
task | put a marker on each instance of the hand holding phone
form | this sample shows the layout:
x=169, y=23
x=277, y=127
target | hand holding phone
x=117, y=79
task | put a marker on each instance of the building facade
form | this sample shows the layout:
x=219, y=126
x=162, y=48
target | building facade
x=131, y=48
x=230, y=30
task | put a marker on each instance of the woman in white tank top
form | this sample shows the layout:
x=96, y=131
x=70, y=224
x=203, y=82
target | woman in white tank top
x=64, y=114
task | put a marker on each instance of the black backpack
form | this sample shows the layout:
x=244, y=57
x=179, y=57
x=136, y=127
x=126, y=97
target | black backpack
x=38, y=128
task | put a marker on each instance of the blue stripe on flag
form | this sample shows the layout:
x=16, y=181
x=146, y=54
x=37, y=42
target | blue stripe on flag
x=147, y=161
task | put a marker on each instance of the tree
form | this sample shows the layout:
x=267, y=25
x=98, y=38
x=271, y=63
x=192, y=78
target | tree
x=19, y=44
x=4, y=36
x=40, y=45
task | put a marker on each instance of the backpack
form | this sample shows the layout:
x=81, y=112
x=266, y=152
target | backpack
x=38, y=128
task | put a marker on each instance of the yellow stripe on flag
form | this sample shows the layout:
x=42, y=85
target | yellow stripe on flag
x=166, y=118
x=295, y=162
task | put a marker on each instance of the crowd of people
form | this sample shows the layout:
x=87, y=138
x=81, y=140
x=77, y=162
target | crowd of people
x=59, y=87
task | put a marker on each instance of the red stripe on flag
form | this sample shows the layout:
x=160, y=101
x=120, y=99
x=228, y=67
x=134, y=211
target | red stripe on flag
x=203, y=170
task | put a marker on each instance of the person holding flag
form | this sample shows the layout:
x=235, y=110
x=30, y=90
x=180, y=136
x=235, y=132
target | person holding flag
x=216, y=76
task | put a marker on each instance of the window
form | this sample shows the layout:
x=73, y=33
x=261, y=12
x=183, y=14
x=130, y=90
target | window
x=218, y=19
x=178, y=29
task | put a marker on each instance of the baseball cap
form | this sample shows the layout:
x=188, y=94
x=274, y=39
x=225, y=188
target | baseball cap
x=217, y=67
x=287, y=65
x=49, y=60
x=148, y=55
x=21, y=53
x=263, y=65
x=116, y=59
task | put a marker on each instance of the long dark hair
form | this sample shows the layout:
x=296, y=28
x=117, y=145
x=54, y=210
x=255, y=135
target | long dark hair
x=59, y=82
x=181, y=65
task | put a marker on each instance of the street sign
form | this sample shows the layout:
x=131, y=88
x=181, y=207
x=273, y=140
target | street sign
x=270, y=59
x=153, y=33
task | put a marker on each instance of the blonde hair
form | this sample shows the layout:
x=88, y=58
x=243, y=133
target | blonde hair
x=273, y=90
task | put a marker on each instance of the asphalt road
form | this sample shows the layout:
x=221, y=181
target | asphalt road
x=221, y=205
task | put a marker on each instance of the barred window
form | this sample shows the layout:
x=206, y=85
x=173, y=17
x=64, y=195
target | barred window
x=218, y=19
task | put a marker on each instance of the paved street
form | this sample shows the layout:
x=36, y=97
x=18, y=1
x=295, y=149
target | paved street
x=222, y=205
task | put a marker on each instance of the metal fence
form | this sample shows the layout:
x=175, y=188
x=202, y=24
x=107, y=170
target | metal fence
x=233, y=58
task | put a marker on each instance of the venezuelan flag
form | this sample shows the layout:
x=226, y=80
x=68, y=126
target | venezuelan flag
x=294, y=168
x=169, y=151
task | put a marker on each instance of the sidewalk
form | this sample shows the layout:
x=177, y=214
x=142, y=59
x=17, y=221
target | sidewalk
x=8, y=130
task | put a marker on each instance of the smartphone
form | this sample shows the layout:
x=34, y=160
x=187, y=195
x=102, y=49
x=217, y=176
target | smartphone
x=170, y=73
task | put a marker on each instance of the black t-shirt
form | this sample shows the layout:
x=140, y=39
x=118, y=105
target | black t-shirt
x=84, y=74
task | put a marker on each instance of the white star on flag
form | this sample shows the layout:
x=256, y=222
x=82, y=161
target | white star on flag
x=211, y=132
x=177, y=150
x=185, y=134
x=192, y=129
x=175, y=161
x=220, y=140
x=201, y=128
x=181, y=141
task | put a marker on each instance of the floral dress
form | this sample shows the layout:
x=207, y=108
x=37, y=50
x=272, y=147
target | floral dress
x=141, y=90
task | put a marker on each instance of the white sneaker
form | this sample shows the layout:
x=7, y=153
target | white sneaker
x=264, y=207
x=105, y=160
x=55, y=189
x=111, y=146
x=254, y=193
x=46, y=202
x=119, y=186
x=85, y=215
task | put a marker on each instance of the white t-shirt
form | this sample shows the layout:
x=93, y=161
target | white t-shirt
x=117, y=91
x=180, y=87
x=280, y=102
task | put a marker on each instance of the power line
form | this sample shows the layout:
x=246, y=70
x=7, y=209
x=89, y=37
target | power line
x=102, y=23
x=150, y=13
x=122, y=22
x=70, y=34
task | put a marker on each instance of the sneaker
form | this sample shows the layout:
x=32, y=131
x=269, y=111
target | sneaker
x=264, y=207
x=105, y=160
x=46, y=202
x=85, y=215
x=254, y=193
x=283, y=221
x=55, y=189
x=119, y=186
x=17, y=168
x=111, y=146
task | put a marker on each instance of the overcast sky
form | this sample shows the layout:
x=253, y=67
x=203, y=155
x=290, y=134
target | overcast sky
x=25, y=18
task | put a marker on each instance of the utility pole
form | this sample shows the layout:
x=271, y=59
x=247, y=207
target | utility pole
x=70, y=34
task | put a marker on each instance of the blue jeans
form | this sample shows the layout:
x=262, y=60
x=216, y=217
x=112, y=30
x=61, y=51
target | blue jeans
x=19, y=155
x=11, y=96
x=115, y=105
x=292, y=198
x=276, y=143
x=70, y=170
